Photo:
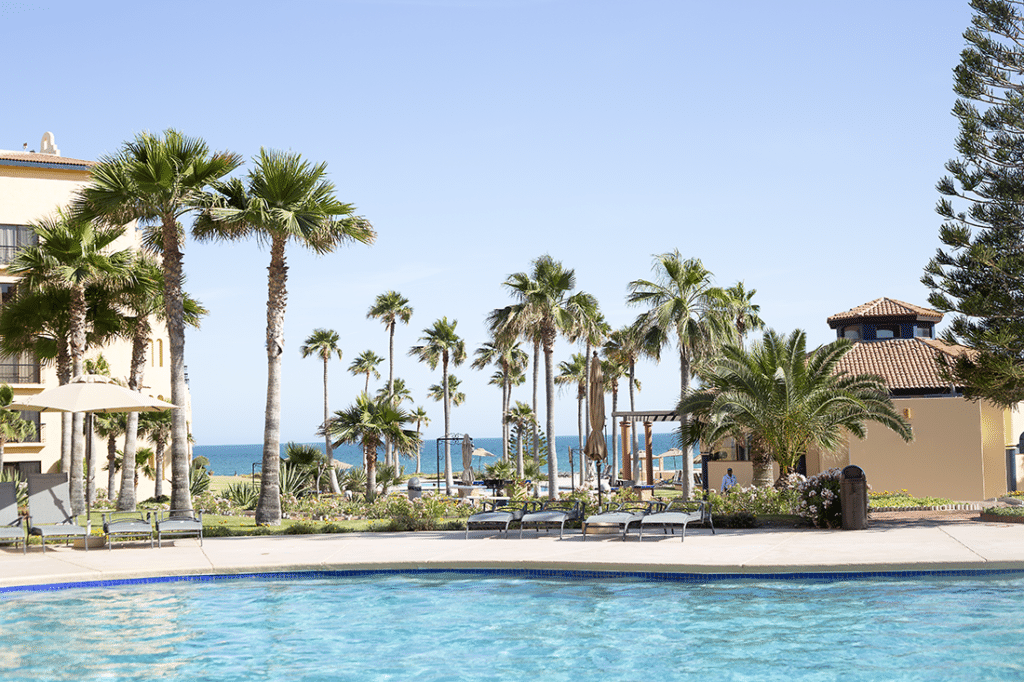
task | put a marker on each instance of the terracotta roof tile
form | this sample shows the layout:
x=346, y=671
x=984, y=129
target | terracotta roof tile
x=43, y=159
x=905, y=364
x=888, y=307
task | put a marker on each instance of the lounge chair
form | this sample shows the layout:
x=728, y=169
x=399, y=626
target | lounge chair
x=552, y=515
x=49, y=509
x=678, y=514
x=179, y=523
x=125, y=525
x=12, y=524
x=498, y=517
x=621, y=517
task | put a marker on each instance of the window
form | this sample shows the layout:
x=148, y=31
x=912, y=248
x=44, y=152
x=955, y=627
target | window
x=13, y=238
x=7, y=292
x=924, y=331
x=852, y=333
x=21, y=368
x=887, y=332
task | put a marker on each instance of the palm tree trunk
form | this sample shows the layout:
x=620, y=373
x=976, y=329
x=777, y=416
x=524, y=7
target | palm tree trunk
x=158, y=488
x=632, y=430
x=448, y=481
x=684, y=372
x=63, y=377
x=519, y=452
x=580, y=401
x=111, y=466
x=370, y=457
x=536, y=424
x=549, y=405
x=391, y=389
x=506, y=398
x=268, y=509
x=126, y=499
x=174, y=309
x=615, y=441
x=332, y=472
x=77, y=351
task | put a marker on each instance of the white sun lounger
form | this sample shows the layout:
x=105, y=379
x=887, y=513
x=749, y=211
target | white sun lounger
x=678, y=514
x=552, y=515
x=125, y=525
x=620, y=518
x=179, y=523
x=12, y=524
x=499, y=516
x=49, y=506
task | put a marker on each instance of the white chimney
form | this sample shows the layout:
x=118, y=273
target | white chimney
x=48, y=145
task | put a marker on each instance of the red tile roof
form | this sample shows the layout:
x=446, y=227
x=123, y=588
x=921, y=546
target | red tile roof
x=43, y=159
x=886, y=307
x=905, y=364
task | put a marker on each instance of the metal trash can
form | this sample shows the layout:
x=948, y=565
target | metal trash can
x=853, y=496
x=415, y=488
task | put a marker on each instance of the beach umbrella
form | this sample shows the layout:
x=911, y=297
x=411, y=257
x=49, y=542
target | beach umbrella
x=90, y=393
x=596, y=448
x=467, y=460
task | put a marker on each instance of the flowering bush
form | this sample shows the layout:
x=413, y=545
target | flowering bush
x=757, y=501
x=209, y=504
x=819, y=499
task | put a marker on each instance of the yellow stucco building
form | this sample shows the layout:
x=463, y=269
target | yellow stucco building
x=33, y=185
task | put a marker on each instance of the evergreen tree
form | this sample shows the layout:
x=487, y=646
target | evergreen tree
x=978, y=274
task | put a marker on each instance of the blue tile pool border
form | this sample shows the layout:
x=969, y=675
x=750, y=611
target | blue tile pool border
x=530, y=573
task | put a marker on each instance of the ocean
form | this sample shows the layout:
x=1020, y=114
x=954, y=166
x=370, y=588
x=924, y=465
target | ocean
x=228, y=460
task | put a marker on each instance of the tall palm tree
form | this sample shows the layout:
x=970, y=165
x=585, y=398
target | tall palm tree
x=366, y=364
x=142, y=299
x=441, y=344
x=589, y=329
x=111, y=425
x=505, y=352
x=520, y=322
x=390, y=308
x=13, y=428
x=158, y=181
x=323, y=343
x=572, y=373
x=543, y=298
x=73, y=254
x=284, y=199
x=157, y=427
x=683, y=305
x=521, y=416
x=456, y=397
x=613, y=370
x=742, y=311
x=625, y=346
x=419, y=415
x=788, y=398
x=369, y=422
x=399, y=392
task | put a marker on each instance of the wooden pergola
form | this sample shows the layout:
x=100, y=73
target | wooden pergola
x=648, y=417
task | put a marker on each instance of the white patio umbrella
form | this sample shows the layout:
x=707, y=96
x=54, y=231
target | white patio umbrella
x=90, y=393
x=467, y=460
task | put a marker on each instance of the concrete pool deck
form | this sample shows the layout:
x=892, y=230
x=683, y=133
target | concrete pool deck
x=938, y=546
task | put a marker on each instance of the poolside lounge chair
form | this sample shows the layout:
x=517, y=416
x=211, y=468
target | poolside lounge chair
x=620, y=518
x=552, y=515
x=678, y=514
x=12, y=524
x=179, y=523
x=125, y=525
x=49, y=509
x=500, y=514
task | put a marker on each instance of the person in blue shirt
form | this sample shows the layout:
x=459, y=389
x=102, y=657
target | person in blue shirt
x=728, y=480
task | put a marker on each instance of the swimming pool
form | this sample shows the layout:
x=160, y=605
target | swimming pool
x=490, y=626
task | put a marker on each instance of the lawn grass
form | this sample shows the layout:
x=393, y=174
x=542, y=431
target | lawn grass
x=902, y=498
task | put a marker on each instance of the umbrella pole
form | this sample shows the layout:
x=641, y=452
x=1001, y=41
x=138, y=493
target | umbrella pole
x=88, y=467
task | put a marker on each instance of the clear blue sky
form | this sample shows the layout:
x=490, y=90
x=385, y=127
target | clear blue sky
x=793, y=145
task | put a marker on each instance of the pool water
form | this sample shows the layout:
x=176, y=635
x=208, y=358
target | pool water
x=472, y=627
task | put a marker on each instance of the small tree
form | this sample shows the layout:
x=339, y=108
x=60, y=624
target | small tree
x=13, y=428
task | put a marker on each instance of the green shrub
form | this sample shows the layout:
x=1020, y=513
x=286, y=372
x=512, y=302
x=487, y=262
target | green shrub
x=740, y=519
x=1005, y=511
x=243, y=494
x=756, y=501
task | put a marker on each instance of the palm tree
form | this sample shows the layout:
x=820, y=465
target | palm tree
x=419, y=415
x=157, y=427
x=625, y=346
x=520, y=321
x=323, y=343
x=157, y=181
x=370, y=422
x=742, y=311
x=111, y=426
x=573, y=373
x=613, y=370
x=285, y=198
x=143, y=299
x=398, y=394
x=13, y=428
x=390, y=308
x=789, y=399
x=521, y=416
x=72, y=254
x=683, y=304
x=366, y=364
x=440, y=344
x=456, y=397
x=505, y=352
x=544, y=304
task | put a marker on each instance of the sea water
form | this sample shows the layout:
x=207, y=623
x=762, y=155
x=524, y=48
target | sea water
x=454, y=627
x=241, y=459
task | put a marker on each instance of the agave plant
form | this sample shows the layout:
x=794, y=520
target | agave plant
x=198, y=477
x=244, y=494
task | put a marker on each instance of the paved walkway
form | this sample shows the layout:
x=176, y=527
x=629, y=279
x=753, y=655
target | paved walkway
x=884, y=546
